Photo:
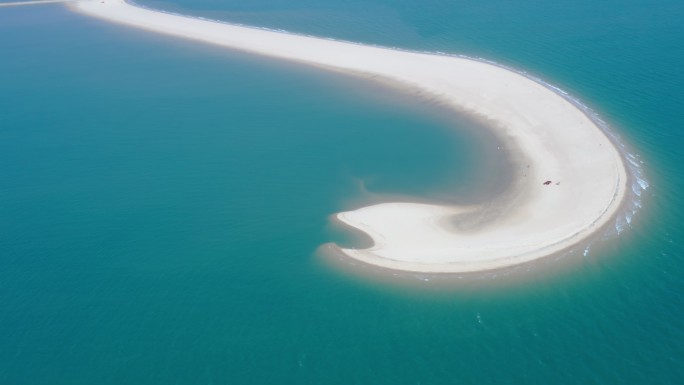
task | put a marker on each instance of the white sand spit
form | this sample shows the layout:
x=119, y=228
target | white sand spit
x=540, y=128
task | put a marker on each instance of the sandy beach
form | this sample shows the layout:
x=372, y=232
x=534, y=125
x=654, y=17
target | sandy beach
x=571, y=179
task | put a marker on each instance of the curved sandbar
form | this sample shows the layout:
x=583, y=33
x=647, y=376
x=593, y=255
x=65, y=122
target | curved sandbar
x=549, y=137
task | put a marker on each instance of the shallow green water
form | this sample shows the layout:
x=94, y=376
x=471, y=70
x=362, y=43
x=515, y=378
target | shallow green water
x=161, y=202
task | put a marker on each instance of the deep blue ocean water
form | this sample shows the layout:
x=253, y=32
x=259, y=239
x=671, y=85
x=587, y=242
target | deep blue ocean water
x=161, y=202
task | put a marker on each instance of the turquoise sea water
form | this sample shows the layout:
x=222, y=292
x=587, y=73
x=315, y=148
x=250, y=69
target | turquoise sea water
x=161, y=202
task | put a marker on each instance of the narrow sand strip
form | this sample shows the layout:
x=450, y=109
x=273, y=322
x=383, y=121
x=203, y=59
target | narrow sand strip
x=35, y=2
x=551, y=139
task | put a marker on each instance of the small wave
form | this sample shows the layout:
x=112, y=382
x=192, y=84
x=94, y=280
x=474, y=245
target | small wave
x=620, y=225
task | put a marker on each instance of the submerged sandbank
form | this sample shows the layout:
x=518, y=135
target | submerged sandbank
x=571, y=179
x=33, y=2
